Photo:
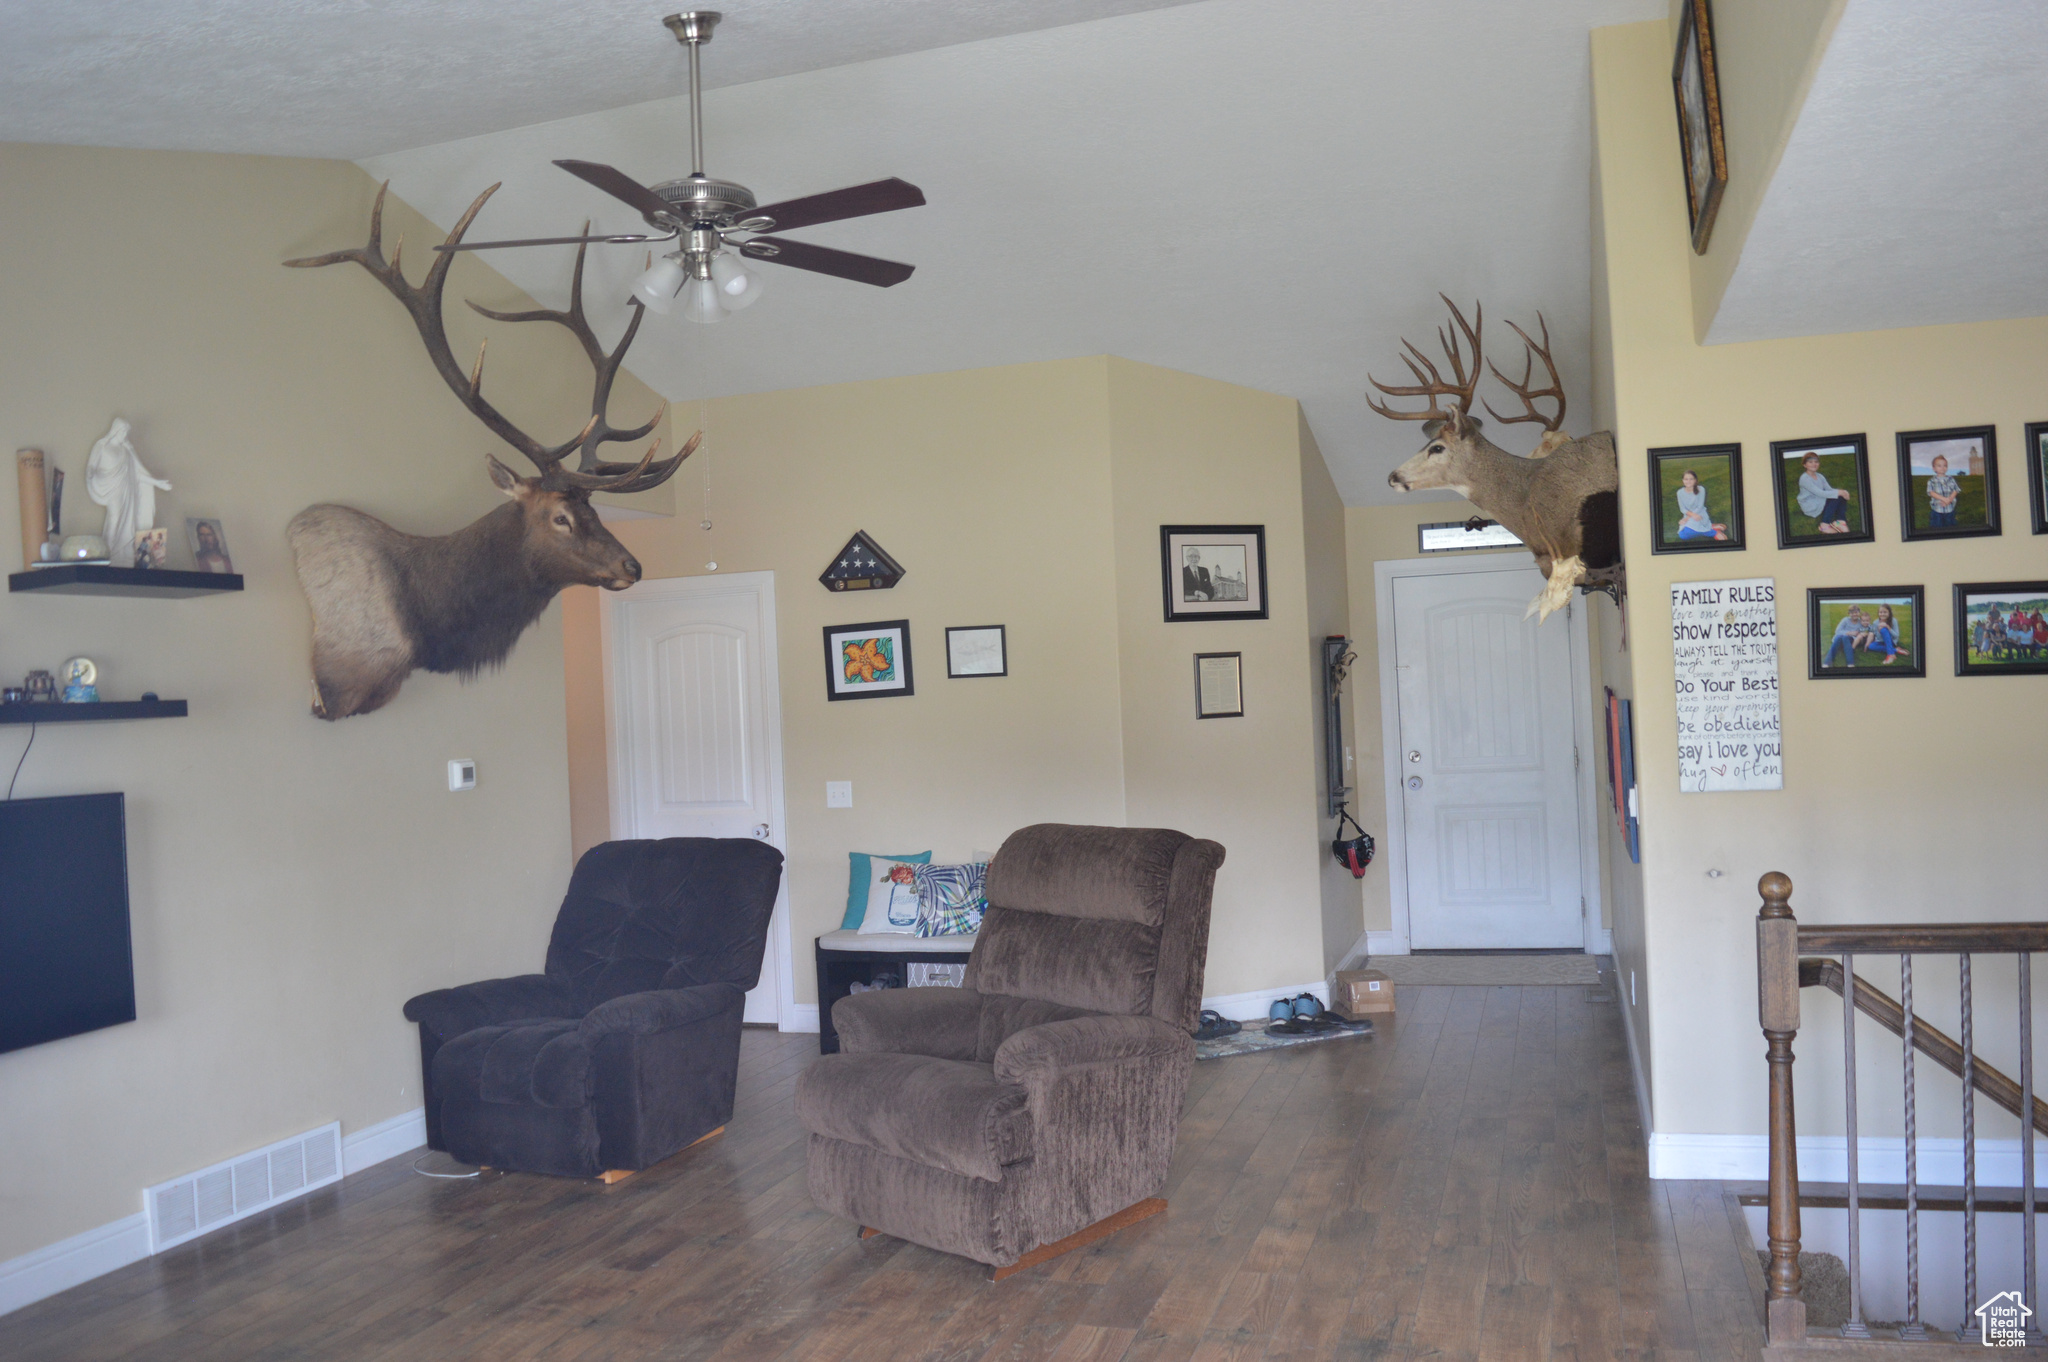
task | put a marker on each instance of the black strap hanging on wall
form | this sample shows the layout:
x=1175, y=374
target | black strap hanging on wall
x=1353, y=853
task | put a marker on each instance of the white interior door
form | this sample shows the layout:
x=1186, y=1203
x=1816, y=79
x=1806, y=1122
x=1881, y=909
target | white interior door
x=1489, y=790
x=696, y=728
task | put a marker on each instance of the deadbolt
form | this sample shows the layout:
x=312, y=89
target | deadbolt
x=1415, y=756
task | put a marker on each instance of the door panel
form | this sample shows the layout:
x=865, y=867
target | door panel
x=1489, y=796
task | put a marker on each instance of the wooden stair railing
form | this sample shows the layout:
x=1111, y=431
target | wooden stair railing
x=1782, y=970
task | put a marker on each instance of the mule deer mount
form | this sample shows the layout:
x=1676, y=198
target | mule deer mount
x=385, y=602
x=1561, y=501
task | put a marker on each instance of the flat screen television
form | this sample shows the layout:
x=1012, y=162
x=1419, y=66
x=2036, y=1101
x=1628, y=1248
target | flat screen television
x=65, y=963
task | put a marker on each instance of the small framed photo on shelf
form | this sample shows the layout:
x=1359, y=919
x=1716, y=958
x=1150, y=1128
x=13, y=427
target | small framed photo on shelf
x=1822, y=488
x=977, y=650
x=152, y=549
x=2001, y=627
x=1697, y=85
x=1948, y=482
x=1696, y=494
x=1865, y=631
x=1219, y=685
x=867, y=661
x=209, y=545
x=1213, y=572
x=2037, y=475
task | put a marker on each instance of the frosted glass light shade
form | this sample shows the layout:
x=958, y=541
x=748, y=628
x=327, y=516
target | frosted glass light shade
x=657, y=287
x=700, y=301
x=738, y=286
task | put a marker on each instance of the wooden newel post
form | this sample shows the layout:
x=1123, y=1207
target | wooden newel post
x=1777, y=997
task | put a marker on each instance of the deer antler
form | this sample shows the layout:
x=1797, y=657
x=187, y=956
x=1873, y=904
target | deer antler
x=424, y=303
x=1531, y=351
x=1428, y=382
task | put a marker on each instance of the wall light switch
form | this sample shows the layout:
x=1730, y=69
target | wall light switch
x=838, y=794
x=461, y=774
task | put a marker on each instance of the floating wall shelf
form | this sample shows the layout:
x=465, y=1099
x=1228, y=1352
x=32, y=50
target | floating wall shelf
x=102, y=711
x=100, y=579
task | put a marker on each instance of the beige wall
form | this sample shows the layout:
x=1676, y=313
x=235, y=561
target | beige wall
x=1903, y=799
x=1766, y=53
x=1329, y=613
x=291, y=882
x=1029, y=496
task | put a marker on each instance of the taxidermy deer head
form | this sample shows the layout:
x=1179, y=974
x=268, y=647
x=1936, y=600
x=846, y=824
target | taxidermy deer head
x=385, y=602
x=1561, y=501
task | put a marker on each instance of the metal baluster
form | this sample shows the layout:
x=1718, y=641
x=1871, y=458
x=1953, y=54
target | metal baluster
x=1855, y=1327
x=1912, y=1329
x=2027, y=1139
x=1969, y=1329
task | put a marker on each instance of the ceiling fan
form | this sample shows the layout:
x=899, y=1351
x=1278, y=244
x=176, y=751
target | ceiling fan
x=717, y=222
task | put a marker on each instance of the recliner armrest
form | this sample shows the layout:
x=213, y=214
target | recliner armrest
x=658, y=1010
x=1038, y=1055
x=448, y=1012
x=942, y=1023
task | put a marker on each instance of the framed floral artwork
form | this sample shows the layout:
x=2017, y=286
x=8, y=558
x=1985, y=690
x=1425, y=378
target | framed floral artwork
x=867, y=661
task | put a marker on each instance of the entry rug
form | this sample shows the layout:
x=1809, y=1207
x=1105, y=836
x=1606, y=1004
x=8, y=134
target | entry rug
x=1482, y=970
x=1254, y=1038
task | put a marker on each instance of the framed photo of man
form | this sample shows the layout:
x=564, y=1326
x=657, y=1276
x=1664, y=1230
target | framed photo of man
x=1948, y=482
x=1213, y=572
x=1822, y=488
x=2037, y=474
x=1696, y=495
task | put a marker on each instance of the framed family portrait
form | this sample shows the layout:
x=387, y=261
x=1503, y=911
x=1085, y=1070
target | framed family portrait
x=1702, y=148
x=1213, y=572
x=1822, y=488
x=2037, y=474
x=1948, y=482
x=1696, y=496
x=867, y=661
x=977, y=650
x=2001, y=627
x=1865, y=631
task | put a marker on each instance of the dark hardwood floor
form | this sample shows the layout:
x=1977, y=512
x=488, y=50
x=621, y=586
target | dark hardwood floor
x=1468, y=1184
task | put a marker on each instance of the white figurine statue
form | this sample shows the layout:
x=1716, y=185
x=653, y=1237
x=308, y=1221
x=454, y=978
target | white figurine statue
x=116, y=479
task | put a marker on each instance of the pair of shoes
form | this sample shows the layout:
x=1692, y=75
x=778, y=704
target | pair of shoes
x=1302, y=1015
x=1215, y=1026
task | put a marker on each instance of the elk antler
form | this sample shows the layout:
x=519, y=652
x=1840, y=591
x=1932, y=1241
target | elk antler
x=1428, y=382
x=1531, y=350
x=424, y=303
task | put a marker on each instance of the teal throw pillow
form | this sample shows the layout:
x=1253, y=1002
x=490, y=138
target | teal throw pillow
x=860, y=876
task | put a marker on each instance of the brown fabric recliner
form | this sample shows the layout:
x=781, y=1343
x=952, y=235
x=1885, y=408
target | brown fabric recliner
x=1042, y=1097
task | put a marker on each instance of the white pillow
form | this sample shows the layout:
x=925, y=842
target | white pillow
x=892, y=898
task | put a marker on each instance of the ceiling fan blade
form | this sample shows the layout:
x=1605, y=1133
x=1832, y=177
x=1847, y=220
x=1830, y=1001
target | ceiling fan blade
x=862, y=269
x=880, y=196
x=620, y=186
x=554, y=241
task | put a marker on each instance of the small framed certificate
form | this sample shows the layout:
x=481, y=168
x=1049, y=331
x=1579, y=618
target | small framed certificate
x=1219, y=685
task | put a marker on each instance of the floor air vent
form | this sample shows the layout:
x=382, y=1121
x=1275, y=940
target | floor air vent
x=187, y=1207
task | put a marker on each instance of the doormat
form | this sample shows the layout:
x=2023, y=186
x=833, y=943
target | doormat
x=1254, y=1038
x=1481, y=970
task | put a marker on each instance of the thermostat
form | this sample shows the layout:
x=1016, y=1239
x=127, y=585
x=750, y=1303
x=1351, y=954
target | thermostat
x=462, y=774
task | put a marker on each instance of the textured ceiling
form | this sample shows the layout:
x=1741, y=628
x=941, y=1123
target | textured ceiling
x=1910, y=192
x=352, y=78
x=1268, y=192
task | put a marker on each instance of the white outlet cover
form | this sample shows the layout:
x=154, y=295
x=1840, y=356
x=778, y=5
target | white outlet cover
x=461, y=773
x=838, y=794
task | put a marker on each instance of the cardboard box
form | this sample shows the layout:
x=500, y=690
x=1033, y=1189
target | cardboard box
x=1363, y=993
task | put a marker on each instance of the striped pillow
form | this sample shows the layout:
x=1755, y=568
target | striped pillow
x=950, y=898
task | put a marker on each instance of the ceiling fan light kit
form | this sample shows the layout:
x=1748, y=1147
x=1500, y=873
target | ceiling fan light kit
x=717, y=224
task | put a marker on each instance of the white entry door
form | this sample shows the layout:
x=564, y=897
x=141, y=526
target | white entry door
x=696, y=728
x=1489, y=791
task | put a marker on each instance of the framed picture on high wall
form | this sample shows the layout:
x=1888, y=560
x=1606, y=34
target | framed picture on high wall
x=1213, y=572
x=2001, y=627
x=1948, y=482
x=1865, y=631
x=2037, y=475
x=1822, y=488
x=1696, y=499
x=1702, y=150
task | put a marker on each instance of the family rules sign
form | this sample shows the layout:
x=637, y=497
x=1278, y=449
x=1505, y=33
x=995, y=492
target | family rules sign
x=1724, y=642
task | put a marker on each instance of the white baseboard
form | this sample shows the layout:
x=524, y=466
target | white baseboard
x=1386, y=943
x=1635, y=1056
x=1825, y=1158
x=385, y=1140
x=1252, y=1006
x=1600, y=941
x=72, y=1262
x=802, y=1017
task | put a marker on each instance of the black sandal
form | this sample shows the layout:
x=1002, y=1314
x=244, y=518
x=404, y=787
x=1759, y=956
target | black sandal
x=1214, y=1026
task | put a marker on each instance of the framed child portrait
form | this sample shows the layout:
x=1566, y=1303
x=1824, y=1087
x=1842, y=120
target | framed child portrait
x=1948, y=482
x=2001, y=627
x=1697, y=499
x=2037, y=474
x=1865, y=631
x=1822, y=488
